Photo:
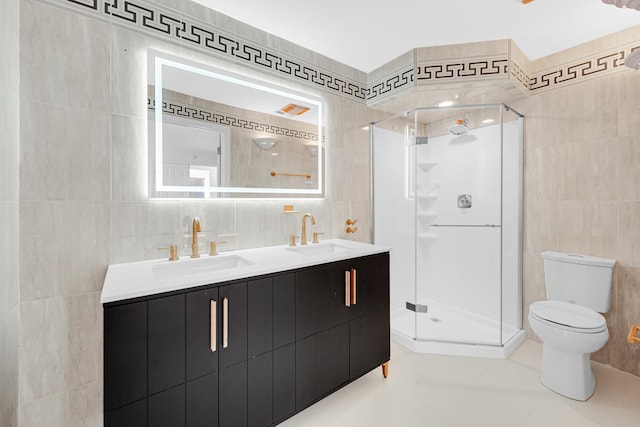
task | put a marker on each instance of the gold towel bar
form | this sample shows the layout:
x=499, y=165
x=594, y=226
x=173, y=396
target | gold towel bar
x=306, y=175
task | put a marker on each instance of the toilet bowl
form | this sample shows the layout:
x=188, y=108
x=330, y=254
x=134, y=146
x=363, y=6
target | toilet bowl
x=570, y=334
x=569, y=322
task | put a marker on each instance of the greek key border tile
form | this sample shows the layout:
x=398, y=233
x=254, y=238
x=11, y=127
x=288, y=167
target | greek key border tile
x=194, y=112
x=582, y=69
x=158, y=21
x=390, y=85
x=462, y=69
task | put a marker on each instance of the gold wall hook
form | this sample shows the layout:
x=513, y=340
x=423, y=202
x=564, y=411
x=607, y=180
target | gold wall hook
x=351, y=222
x=352, y=230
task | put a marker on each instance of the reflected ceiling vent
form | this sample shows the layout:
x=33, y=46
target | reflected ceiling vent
x=625, y=4
x=265, y=143
x=293, y=110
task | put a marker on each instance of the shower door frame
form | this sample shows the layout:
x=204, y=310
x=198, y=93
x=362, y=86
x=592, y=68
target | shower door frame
x=517, y=117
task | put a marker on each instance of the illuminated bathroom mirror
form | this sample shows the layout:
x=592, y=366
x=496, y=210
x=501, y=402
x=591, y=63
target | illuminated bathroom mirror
x=221, y=135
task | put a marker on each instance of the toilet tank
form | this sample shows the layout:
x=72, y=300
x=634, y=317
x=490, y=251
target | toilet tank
x=579, y=279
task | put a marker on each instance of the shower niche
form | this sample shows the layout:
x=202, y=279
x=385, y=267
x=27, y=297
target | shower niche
x=447, y=198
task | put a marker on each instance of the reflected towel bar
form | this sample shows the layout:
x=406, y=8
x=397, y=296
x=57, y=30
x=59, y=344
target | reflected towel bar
x=633, y=334
x=306, y=175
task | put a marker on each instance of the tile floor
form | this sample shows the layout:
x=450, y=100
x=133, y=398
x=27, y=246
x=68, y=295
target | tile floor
x=447, y=391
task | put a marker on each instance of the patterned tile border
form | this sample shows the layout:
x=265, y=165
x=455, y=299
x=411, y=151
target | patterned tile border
x=194, y=112
x=461, y=69
x=600, y=64
x=158, y=21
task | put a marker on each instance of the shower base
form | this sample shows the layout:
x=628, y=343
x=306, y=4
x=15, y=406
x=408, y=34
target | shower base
x=445, y=330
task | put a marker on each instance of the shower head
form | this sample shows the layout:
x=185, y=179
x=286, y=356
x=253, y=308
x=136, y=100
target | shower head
x=460, y=128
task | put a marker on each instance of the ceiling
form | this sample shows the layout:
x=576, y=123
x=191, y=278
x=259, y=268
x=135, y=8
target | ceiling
x=366, y=34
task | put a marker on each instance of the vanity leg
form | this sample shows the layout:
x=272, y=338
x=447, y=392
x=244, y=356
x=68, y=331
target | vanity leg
x=385, y=369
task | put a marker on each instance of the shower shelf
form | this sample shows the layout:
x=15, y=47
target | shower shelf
x=428, y=187
x=428, y=216
x=427, y=236
x=426, y=166
x=428, y=197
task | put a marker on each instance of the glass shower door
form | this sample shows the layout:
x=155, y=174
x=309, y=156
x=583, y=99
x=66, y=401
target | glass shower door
x=457, y=181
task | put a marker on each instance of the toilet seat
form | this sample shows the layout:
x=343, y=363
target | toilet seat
x=569, y=317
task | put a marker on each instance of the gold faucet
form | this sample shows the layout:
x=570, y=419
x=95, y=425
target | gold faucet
x=195, y=228
x=303, y=237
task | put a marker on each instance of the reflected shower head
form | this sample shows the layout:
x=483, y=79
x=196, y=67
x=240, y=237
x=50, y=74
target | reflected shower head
x=460, y=128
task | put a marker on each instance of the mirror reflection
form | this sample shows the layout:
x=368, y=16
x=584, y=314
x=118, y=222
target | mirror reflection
x=222, y=135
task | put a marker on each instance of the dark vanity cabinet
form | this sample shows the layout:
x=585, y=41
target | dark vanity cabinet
x=250, y=352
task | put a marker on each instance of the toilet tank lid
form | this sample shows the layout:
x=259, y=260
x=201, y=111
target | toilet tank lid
x=579, y=259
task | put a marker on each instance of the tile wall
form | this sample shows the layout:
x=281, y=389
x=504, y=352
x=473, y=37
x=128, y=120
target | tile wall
x=83, y=194
x=83, y=198
x=9, y=222
x=581, y=186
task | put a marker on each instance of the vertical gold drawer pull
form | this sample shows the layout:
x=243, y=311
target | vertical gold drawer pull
x=212, y=313
x=347, y=288
x=353, y=286
x=225, y=322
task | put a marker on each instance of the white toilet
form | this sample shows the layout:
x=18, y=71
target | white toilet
x=568, y=322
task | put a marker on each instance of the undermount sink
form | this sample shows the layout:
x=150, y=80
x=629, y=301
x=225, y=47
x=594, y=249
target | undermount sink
x=318, y=249
x=199, y=266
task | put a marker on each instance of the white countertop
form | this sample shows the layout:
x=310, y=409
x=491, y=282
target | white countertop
x=143, y=278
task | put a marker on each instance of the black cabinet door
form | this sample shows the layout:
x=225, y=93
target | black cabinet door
x=233, y=324
x=332, y=359
x=259, y=316
x=232, y=397
x=125, y=354
x=284, y=309
x=260, y=390
x=320, y=298
x=305, y=372
x=131, y=415
x=202, y=332
x=372, y=284
x=166, y=323
x=369, y=345
x=167, y=408
x=202, y=401
x=284, y=382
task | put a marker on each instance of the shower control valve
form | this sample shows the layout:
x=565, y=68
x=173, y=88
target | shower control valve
x=464, y=201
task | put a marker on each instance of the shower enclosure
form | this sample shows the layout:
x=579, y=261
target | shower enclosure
x=447, y=199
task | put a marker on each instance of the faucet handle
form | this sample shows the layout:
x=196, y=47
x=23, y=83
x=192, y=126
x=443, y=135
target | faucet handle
x=173, y=252
x=213, y=247
x=292, y=239
x=315, y=236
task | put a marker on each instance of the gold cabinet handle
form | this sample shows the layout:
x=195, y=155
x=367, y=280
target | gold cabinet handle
x=347, y=288
x=225, y=322
x=353, y=286
x=212, y=313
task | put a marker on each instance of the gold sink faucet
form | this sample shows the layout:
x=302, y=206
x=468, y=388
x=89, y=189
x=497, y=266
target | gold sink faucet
x=195, y=228
x=303, y=236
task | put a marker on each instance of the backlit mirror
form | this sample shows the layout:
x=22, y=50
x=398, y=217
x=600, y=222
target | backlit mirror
x=222, y=135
